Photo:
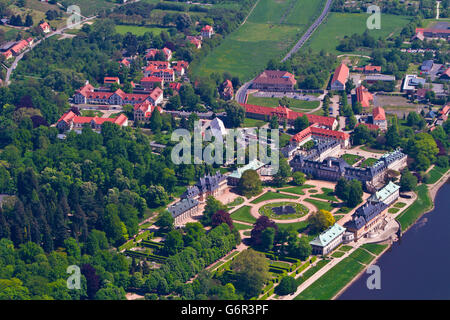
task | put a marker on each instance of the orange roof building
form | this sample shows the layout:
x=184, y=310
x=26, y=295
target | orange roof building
x=379, y=117
x=70, y=121
x=314, y=131
x=340, y=78
x=363, y=96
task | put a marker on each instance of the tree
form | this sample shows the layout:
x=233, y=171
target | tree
x=261, y=224
x=28, y=21
x=156, y=121
x=212, y=206
x=267, y=238
x=342, y=189
x=288, y=285
x=408, y=181
x=283, y=173
x=355, y=193
x=235, y=113
x=301, y=123
x=183, y=22
x=173, y=243
x=299, y=248
x=273, y=124
x=321, y=220
x=250, y=184
x=93, y=280
x=251, y=271
x=351, y=121
x=220, y=217
x=165, y=221
x=299, y=178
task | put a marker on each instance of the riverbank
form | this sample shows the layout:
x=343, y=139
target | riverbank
x=432, y=192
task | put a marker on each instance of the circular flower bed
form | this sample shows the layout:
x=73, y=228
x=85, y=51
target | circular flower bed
x=283, y=210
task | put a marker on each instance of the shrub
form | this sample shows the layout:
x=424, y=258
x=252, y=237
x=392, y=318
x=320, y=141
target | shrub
x=287, y=285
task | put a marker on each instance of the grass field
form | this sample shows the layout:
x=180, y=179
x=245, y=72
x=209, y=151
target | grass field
x=294, y=104
x=270, y=31
x=326, y=195
x=250, y=123
x=368, y=162
x=374, y=248
x=414, y=211
x=338, y=25
x=89, y=7
x=300, y=210
x=351, y=159
x=327, y=286
x=273, y=195
x=320, y=205
x=243, y=214
x=297, y=190
x=435, y=174
x=240, y=226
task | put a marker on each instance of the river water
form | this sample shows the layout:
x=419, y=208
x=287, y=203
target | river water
x=418, y=265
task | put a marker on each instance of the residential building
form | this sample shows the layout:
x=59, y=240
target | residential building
x=340, y=78
x=168, y=75
x=207, y=31
x=325, y=242
x=111, y=80
x=19, y=47
x=45, y=27
x=7, y=54
x=411, y=83
x=149, y=83
x=70, y=121
x=89, y=95
x=196, y=41
x=274, y=80
x=143, y=111
x=368, y=69
x=183, y=210
x=445, y=75
x=370, y=126
x=363, y=96
x=433, y=33
x=227, y=90
x=426, y=66
x=284, y=113
x=315, y=132
x=379, y=117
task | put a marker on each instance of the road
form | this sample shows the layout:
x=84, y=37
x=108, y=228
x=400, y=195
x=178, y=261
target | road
x=20, y=56
x=310, y=31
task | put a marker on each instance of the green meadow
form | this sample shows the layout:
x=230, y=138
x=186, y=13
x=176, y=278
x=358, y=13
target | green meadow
x=338, y=25
x=270, y=31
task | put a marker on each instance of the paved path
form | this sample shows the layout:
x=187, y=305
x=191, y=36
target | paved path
x=438, y=5
x=310, y=31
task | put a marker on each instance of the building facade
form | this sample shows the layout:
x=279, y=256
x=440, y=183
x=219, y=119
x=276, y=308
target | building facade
x=325, y=242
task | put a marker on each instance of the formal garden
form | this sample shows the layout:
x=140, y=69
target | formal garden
x=283, y=210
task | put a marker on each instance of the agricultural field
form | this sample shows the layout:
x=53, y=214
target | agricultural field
x=270, y=31
x=294, y=104
x=339, y=25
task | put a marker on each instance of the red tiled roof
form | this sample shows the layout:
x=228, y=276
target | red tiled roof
x=156, y=93
x=324, y=133
x=44, y=26
x=363, y=96
x=125, y=62
x=432, y=30
x=151, y=79
x=275, y=77
x=111, y=80
x=378, y=114
x=342, y=72
x=72, y=117
x=175, y=86
x=18, y=47
x=445, y=110
x=207, y=28
x=446, y=72
x=286, y=113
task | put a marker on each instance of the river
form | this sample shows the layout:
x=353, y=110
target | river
x=418, y=265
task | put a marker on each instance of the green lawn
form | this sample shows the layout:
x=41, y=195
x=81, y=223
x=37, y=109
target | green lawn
x=320, y=205
x=89, y=7
x=414, y=211
x=337, y=254
x=249, y=123
x=235, y=202
x=294, y=104
x=399, y=204
x=326, y=195
x=311, y=271
x=351, y=159
x=240, y=226
x=327, y=286
x=296, y=190
x=435, y=174
x=338, y=25
x=393, y=210
x=345, y=248
x=361, y=256
x=374, y=248
x=273, y=195
x=243, y=214
x=368, y=162
x=266, y=35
